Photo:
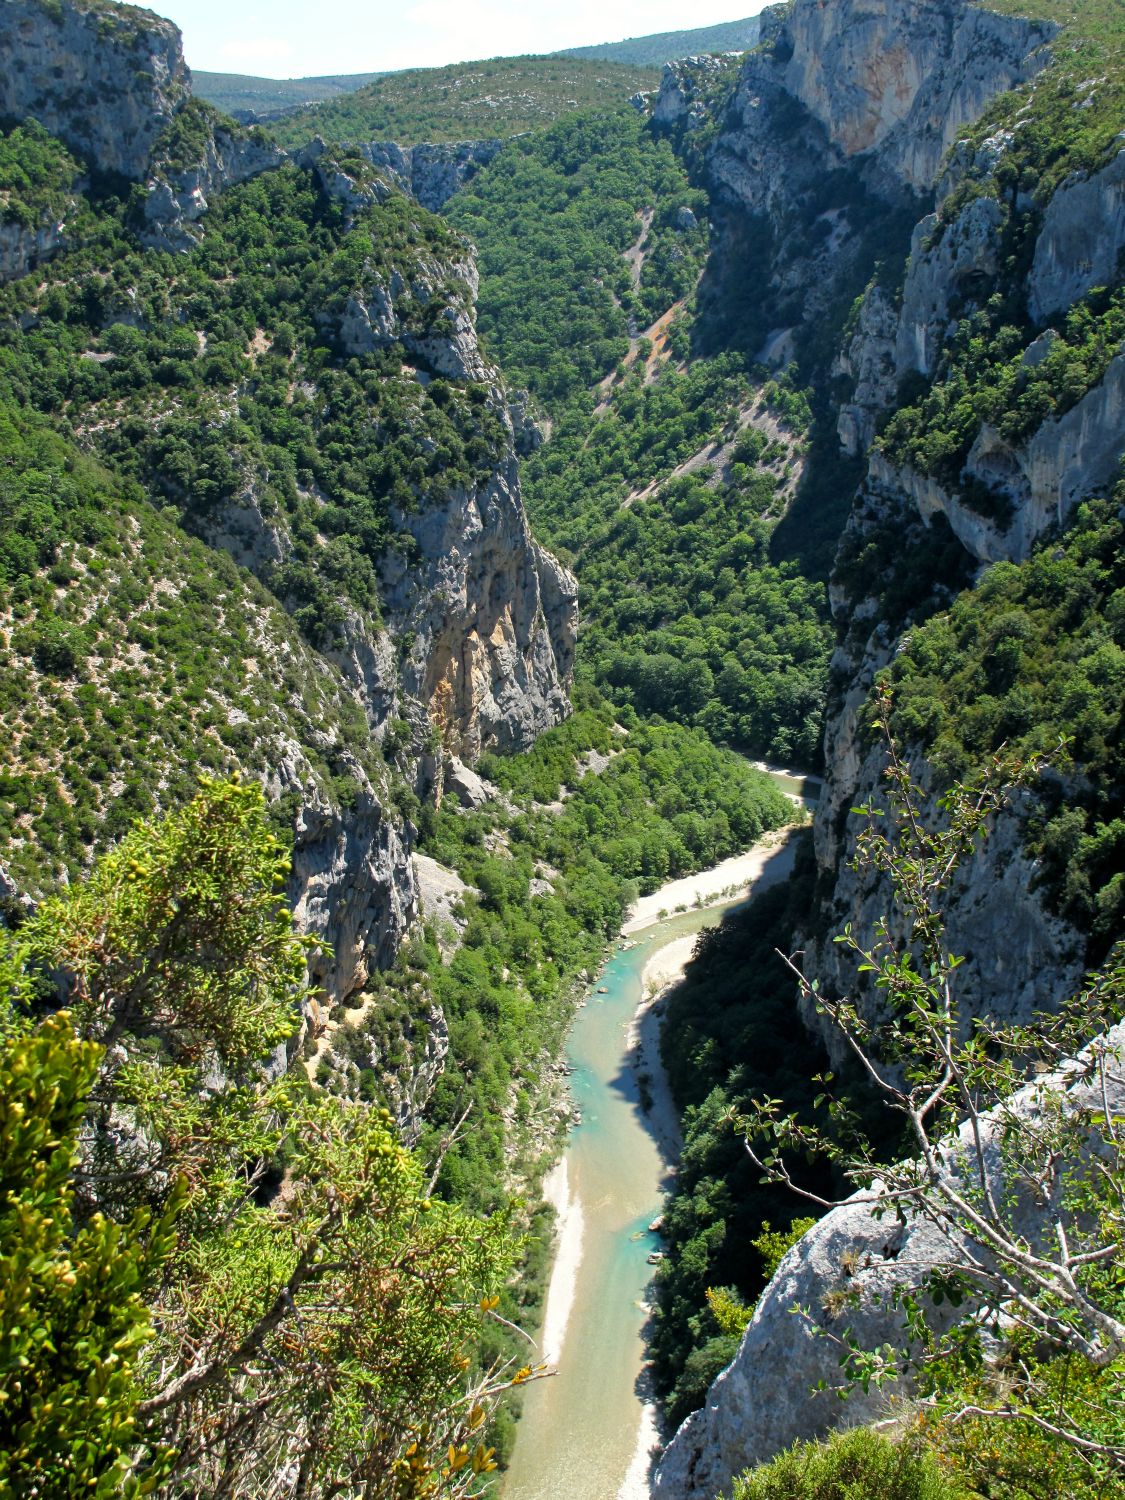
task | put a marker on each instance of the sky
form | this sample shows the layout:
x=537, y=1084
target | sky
x=296, y=38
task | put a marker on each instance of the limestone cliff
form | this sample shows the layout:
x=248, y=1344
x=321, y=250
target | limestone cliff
x=176, y=195
x=432, y=174
x=861, y=110
x=105, y=78
x=767, y=1399
x=468, y=629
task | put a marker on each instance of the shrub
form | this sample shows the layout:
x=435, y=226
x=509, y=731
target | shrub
x=855, y=1465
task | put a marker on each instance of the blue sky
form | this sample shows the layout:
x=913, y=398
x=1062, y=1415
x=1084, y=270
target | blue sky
x=296, y=38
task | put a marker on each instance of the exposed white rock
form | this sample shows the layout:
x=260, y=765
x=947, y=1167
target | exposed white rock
x=1067, y=459
x=440, y=893
x=431, y=174
x=446, y=344
x=105, y=79
x=1082, y=237
x=177, y=200
x=490, y=616
x=766, y=1399
x=899, y=79
x=470, y=790
x=869, y=360
x=948, y=264
x=23, y=247
x=351, y=886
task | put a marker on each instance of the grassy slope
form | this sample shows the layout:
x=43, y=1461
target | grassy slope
x=467, y=101
x=242, y=91
x=664, y=46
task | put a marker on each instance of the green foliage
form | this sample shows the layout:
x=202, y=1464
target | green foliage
x=666, y=803
x=1065, y=121
x=988, y=379
x=73, y=1319
x=232, y=395
x=330, y=1326
x=551, y=217
x=37, y=174
x=244, y=92
x=183, y=929
x=465, y=101
x=850, y=1466
x=731, y=1030
x=685, y=615
x=134, y=657
x=1033, y=655
x=666, y=46
x=772, y=1244
x=183, y=142
x=1022, y=1179
x=1014, y=1459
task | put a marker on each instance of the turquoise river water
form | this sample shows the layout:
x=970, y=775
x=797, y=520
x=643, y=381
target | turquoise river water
x=585, y=1431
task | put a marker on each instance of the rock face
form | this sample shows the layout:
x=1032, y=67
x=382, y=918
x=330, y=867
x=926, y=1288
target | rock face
x=478, y=622
x=105, y=78
x=177, y=199
x=490, y=616
x=445, y=344
x=1082, y=237
x=765, y=1400
x=351, y=887
x=878, y=89
x=431, y=174
x=896, y=81
x=22, y=248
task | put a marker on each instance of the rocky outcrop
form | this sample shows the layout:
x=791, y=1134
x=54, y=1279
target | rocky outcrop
x=895, y=81
x=767, y=1399
x=107, y=79
x=1066, y=460
x=445, y=343
x=869, y=361
x=23, y=247
x=949, y=263
x=1041, y=958
x=352, y=888
x=440, y=894
x=177, y=199
x=1081, y=241
x=430, y=174
x=682, y=102
x=490, y=619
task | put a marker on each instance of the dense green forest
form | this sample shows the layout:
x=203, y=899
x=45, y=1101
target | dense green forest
x=665, y=476
x=1033, y=660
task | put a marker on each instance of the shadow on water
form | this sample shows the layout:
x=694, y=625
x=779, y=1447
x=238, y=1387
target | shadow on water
x=583, y=1434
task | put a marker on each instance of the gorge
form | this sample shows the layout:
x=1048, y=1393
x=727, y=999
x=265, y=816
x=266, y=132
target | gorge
x=490, y=503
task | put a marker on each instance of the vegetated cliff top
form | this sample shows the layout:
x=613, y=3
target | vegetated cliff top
x=243, y=93
x=665, y=46
x=466, y=101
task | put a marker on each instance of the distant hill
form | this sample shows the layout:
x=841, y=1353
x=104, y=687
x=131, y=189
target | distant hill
x=242, y=93
x=466, y=101
x=663, y=46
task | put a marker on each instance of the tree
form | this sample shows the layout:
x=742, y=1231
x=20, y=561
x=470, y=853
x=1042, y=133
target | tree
x=311, y=1313
x=1019, y=1156
x=73, y=1321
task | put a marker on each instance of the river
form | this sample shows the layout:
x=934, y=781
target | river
x=587, y=1432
